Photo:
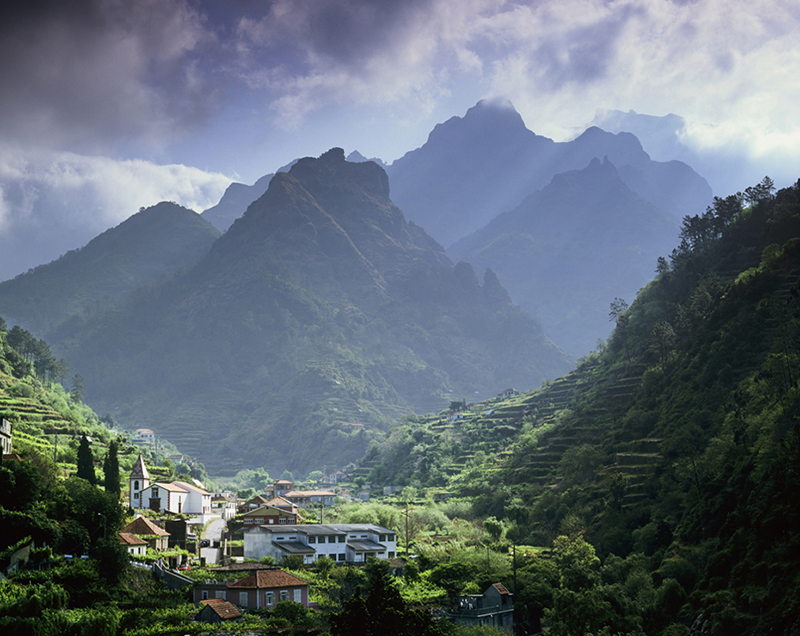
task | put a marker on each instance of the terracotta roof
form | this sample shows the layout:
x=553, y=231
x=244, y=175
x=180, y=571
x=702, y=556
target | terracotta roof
x=139, y=469
x=126, y=538
x=268, y=578
x=280, y=501
x=144, y=527
x=310, y=493
x=225, y=610
x=499, y=587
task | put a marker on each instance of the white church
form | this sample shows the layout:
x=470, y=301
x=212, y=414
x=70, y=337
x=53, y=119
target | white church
x=178, y=496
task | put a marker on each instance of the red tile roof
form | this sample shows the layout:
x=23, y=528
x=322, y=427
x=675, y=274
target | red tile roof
x=267, y=579
x=126, y=538
x=144, y=527
x=225, y=610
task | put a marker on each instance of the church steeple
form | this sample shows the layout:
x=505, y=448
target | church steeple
x=140, y=479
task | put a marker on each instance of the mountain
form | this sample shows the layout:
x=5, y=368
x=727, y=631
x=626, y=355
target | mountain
x=475, y=167
x=238, y=196
x=572, y=247
x=234, y=202
x=146, y=248
x=316, y=320
x=670, y=458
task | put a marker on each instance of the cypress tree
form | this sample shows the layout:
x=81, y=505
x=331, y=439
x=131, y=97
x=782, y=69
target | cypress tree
x=85, y=461
x=111, y=470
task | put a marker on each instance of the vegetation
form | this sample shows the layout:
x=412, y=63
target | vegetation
x=662, y=471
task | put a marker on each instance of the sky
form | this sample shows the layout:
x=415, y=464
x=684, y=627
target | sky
x=110, y=105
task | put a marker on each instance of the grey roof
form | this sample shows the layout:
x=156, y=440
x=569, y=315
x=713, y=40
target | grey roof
x=326, y=528
x=294, y=547
x=365, y=545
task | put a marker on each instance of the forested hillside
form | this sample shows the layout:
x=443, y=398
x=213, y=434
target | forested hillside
x=674, y=450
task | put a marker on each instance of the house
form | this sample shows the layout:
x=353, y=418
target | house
x=157, y=539
x=504, y=395
x=139, y=481
x=282, y=486
x=305, y=498
x=256, y=502
x=133, y=544
x=6, y=436
x=215, y=610
x=284, y=504
x=344, y=543
x=224, y=505
x=178, y=497
x=268, y=515
x=145, y=437
x=493, y=608
x=263, y=588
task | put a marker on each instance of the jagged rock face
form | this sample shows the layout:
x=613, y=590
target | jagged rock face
x=322, y=315
x=474, y=168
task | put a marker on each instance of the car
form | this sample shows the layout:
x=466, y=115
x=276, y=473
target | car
x=205, y=543
x=186, y=566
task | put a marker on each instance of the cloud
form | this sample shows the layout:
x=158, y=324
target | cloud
x=713, y=61
x=90, y=74
x=52, y=203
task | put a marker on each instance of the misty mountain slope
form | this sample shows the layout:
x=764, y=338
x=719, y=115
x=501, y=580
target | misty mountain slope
x=145, y=248
x=569, y=249
x=315, y=321
x=475, y=167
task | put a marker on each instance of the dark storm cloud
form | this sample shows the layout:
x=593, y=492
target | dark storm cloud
x=88, y=73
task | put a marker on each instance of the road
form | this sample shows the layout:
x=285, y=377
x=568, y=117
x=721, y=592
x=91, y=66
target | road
x=214, y=532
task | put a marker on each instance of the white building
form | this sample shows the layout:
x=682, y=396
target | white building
x=344, y=543
x=178, y=497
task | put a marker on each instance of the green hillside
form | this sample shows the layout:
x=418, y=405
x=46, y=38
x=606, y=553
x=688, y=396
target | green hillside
x=678, y=441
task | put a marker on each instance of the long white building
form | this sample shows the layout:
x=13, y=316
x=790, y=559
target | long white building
x=344, y=543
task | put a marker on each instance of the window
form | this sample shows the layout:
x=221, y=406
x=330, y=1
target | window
x=331, y=539
x=282, y=520
x=284, y=595
x=391, y=555
x=342, y=538
x=155, y=492
x=220, y=594
x=243, y=598
x=136, y=495
x=136, y=485
x=342, y=556
x=270, y=598
x=298, y=596
x=382, y=537
x=204, y=595
x=312, y=539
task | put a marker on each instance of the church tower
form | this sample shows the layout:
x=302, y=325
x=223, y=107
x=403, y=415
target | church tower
x=140, y=480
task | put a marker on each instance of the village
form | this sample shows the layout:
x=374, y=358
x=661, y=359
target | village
x=204, y=527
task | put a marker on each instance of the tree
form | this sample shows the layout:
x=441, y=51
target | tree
x=662, y=341
x=77, y=392
x=617, y=313
x=382, y=611
x=85, y=461
x=111, y=470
